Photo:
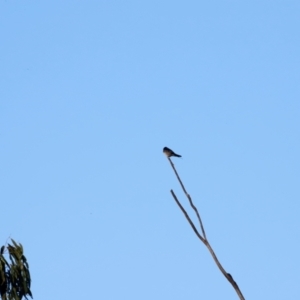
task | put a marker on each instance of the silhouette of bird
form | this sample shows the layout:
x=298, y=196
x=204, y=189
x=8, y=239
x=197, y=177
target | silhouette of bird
x=167, y=151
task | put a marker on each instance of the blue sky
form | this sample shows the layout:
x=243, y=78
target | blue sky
x=90, y=93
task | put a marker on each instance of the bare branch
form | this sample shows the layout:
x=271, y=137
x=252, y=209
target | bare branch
x=188, y=218
x=189, y=198
x=203, y=239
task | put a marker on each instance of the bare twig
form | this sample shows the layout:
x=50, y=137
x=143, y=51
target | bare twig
x=188, y=218
x=202, y=238
x=189, y=198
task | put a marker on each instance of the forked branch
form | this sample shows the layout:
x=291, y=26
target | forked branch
x=202, y=237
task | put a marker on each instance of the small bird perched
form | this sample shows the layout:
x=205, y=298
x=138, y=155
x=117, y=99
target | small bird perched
x=170, y=152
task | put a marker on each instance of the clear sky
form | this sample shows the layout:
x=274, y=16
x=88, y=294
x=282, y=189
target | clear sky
x=90, y=93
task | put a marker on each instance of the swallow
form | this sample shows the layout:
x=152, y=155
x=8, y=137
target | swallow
x=170, y=152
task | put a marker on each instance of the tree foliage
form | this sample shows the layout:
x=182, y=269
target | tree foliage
x=15, y=278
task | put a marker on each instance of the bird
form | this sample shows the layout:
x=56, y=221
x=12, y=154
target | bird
x=168, y=152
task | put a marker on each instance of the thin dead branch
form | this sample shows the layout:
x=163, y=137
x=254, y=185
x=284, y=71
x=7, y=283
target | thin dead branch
x=203, y=238
x=189, y=198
